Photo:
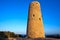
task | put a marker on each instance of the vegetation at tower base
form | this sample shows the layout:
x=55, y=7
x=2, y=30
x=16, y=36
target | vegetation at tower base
x=53, y=36
x=8, y=34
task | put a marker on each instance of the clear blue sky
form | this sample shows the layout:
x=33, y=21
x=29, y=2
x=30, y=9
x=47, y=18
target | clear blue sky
x=14, y=14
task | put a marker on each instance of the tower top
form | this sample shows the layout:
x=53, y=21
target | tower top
x=35, y=2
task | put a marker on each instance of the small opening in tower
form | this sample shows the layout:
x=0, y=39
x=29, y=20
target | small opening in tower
x=36, y=3
x=39, y=18
x=33, y=15
x=33, y=4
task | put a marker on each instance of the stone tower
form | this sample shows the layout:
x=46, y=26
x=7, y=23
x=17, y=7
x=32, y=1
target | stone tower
x=35, y=27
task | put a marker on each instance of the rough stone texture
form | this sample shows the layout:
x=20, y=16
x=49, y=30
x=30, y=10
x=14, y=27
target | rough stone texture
x=35, y=27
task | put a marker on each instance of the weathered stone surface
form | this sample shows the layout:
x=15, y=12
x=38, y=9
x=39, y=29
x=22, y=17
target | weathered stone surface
x=35, y=27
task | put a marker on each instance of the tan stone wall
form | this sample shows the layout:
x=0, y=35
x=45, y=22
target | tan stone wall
x=35, y=27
